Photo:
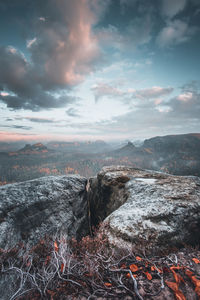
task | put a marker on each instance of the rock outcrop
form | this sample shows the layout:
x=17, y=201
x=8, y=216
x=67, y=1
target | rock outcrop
x=136, y=205
x=48, y=205
x=139, y=205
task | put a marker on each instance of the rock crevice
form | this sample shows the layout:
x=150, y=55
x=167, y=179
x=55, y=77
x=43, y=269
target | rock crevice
x=161, y=209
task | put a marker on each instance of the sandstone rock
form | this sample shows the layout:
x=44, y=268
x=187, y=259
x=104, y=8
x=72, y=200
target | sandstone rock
x=47, y=205
x=160, y=209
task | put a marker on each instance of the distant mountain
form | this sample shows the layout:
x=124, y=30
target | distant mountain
x=82, y=147
x=35, y=148
x=185, y=143
x=128, y=149
x=175, y=154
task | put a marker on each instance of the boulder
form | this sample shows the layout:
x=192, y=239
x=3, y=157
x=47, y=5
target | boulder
x=137, y=206
x=44, y=206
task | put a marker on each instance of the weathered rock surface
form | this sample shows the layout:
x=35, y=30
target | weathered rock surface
x=162, y=209
x=47, y=205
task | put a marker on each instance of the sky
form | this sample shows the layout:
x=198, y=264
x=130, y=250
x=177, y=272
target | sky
x=99, y=69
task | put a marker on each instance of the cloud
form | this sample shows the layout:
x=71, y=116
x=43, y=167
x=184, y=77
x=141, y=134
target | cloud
x=137, y=33
x=154, y=92
x=174, y=33
x=102, y=89
x=29, y=43
x=36, y=100
x=125, y=4
x=171, y=8
x=17, y=127
x=38, y=120
x=150, y=120
x=66, y=48
x=72, y=112
x=63, y=51
x=185, y=97
x=186, y=105
x=157, y=113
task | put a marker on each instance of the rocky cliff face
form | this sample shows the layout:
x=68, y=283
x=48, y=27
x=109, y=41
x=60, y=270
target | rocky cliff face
x=136, y=205
x=47, y=205
x=139, y=205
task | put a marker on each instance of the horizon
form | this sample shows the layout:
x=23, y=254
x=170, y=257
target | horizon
x=87, y=70
x=107, y=141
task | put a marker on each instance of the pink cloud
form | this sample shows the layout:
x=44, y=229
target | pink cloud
x=185, y=97
x=69, y=47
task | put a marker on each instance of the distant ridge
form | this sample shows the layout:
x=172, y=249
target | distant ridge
x=28, y=148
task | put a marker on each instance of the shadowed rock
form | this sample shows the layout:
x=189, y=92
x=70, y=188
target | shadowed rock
x=139, y=205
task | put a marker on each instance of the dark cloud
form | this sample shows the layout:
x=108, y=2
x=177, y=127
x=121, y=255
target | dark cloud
x=170, y=8
x=36, y=102
x=63, y=50
x=137, y=33
x=175, y=32
x=19, y=79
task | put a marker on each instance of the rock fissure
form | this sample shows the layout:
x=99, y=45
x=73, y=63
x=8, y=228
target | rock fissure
x=135, y=204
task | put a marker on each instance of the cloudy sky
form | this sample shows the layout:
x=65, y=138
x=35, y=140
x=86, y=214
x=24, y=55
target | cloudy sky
x=99, y=69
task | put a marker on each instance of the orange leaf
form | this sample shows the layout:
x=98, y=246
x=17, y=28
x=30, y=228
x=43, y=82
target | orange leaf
x=196, y=260
x=197, y=290
x=152, y=268
x=128, y=275
x=177, y=277
x=176, y=268
x=148, y=275
x=188, y=273
x=62, y=268
x=179, y=295
x=133, y=268
x=197, y=285
x=107, y=284
x=138, y=258
x=55, y=246
x=194, y=280
x=172, y=285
